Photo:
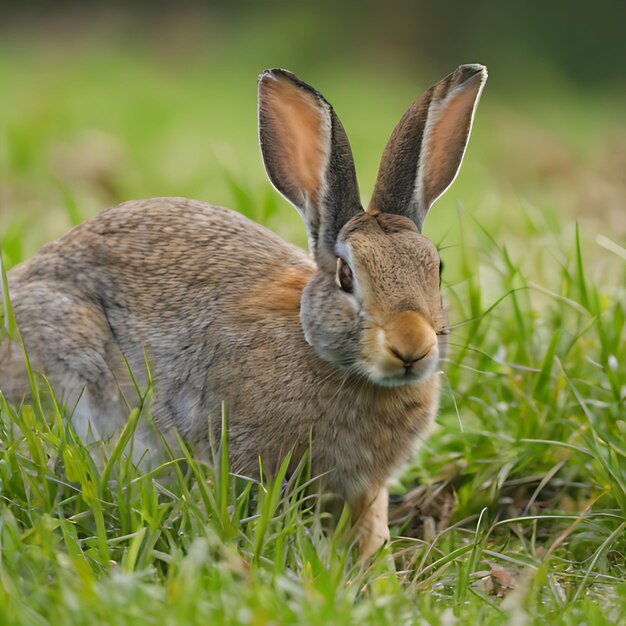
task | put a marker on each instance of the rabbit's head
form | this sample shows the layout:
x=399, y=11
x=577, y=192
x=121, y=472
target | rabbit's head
x=374, y=305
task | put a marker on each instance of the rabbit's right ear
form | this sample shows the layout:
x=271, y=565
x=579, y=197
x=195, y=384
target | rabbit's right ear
x=307, y=156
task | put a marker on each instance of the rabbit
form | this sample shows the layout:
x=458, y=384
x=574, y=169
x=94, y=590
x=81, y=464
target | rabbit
x=335, y=352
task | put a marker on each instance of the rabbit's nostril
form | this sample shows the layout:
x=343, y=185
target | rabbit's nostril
x=395, y=353
x=408, y=360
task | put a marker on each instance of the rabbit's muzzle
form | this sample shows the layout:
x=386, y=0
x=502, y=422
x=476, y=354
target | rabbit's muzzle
x=403, y=350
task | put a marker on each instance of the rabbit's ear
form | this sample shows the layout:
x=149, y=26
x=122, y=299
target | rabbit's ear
x=307, y=155
x=426, y=148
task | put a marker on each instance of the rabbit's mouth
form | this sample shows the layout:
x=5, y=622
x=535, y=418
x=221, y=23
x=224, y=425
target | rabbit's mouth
x=393, y=372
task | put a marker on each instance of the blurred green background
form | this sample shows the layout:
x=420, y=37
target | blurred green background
x=109, y=102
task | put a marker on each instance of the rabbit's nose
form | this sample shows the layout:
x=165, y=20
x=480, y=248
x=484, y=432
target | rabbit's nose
x=409, y=337
x=409, y=359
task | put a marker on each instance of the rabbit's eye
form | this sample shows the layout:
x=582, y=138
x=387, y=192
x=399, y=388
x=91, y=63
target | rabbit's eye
x=343, y=278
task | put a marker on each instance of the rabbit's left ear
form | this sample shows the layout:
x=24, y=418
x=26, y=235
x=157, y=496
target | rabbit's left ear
x=426, y=148
x=307, y=156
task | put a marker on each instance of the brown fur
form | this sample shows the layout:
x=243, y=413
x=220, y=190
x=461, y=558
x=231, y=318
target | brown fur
x=227, y=312
x=279, y=294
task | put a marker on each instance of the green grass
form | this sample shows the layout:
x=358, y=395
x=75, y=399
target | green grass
x=528, y=453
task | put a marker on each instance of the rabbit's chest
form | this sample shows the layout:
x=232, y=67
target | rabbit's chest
x=366, y=441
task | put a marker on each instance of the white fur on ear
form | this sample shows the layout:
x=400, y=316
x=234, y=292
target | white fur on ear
x=428, y=185
x=425, y=150
x=295, y=135
x=307, y=155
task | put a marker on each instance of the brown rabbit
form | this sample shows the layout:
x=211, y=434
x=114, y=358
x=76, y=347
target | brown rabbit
x=337, y=350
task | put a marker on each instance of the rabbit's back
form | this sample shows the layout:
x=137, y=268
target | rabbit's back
x=158, y=247
x=162, y=281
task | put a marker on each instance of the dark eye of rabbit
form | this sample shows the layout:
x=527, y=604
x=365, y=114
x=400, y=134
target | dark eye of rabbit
x=344, y=276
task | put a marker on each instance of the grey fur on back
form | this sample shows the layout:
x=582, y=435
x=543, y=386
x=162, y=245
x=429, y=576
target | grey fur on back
x=162, y=276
